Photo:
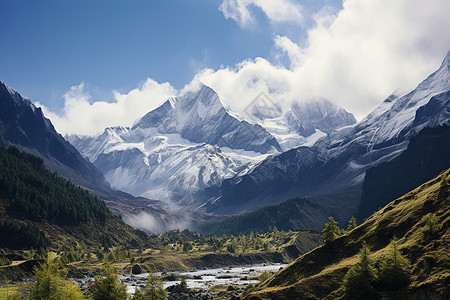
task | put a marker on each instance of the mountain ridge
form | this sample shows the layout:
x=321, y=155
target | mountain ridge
x=188, y=143
x=337, y=163
x=424, y=158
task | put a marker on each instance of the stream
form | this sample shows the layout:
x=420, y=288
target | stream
x=204, y=279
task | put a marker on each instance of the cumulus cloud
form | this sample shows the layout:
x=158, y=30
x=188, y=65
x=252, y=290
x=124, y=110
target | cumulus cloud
x=355, y=57
x=81, y=115
x=277, y=11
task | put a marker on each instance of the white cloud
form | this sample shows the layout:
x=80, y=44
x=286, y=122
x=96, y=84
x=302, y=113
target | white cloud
x=277, y=11
x=82, y=116
x=291, y=49
x=356, y=57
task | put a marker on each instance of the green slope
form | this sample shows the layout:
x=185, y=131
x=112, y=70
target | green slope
x=291, y=214
x=38, y=208
x=319, y=274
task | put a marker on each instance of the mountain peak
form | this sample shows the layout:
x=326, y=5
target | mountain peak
x=25, y=126
x=321, y=114
x=446, y=60
x=158, y=116
x=204, y=101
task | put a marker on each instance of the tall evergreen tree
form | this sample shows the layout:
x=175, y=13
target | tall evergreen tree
x=358, y=282
x=153, y=290
x=331, y=231
x=351, y=224
x=50, y=285
x=107, y=287
x=394, y=271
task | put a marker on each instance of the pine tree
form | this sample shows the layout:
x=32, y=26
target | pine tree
x=187, y=246
x=50, y=285
x=331, y=231
x=432, y=224
x=394, y=271
x=358, y=282
x=107, y=287
x=153, y=290
x=352, y=224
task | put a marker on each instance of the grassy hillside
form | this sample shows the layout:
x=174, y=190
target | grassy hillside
x=319, y=274
x=291, y=214
x=38, y=208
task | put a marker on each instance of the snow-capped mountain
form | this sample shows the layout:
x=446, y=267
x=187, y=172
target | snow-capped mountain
x=193, y=142
x=200, y=117
x=24, y=125
x=319, y=114
x=334, y=168
x=304, y=123
x=186, y=144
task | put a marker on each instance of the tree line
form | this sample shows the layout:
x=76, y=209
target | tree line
x=33, y=192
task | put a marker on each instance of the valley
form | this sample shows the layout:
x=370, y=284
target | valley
x=319, y=168
x=172, y=255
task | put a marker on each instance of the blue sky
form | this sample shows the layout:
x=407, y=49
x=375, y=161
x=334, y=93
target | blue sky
x=49, y=46
x=69, y=56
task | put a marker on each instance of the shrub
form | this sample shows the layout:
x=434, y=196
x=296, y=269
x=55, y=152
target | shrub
x=431, y=224
x=264, y=276
x=352, y=224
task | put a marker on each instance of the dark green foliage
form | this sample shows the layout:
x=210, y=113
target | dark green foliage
x=107, y=287
x=178, y=236
x=358, y=283
x=4, y=261
x=187, y=246
x=50, y=285
x=231, y=248
x=262, y=220
x=37, y=194
x=363, y=281
x=153, y=290
x=431, y=224
x=70, y=256
x=183, y=283
x=351, y=224
x=331, y=231
x=394, y=272
x=19, y=235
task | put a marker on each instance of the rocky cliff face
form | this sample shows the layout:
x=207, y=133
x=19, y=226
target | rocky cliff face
x=24, y=125
x=426, y=156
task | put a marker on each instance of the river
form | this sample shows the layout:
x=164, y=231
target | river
x=204, y=279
